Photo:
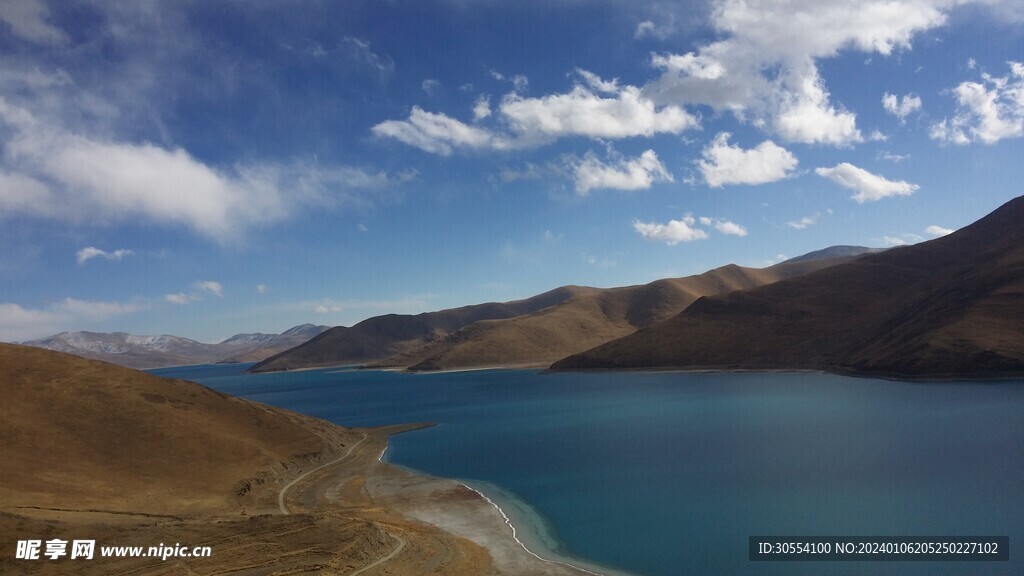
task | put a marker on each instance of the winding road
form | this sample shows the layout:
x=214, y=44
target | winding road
x=280, y=495
x=398, y=550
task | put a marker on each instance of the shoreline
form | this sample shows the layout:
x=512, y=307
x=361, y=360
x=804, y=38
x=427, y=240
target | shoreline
x=569, y=562
x=560, y=562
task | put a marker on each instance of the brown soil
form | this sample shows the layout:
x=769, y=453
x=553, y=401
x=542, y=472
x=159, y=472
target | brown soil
x=98, y=452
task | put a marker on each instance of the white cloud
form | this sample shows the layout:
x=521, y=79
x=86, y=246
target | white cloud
x=730, y=228
x=601, y=109
x=804, y=114
x=582, y=112
x=262, y=288
x=938, y=230
x=597, y=84
x=430, y=86
x=868, y=187
x=687, y=229
x=520, y=82
x=901, y=240
x=804, y=222
x=481, y=108
x=987, y=111
x=210, y=286
x=632, y=174
x=644, y=29
x=27, y=19
x=179, y=298
x=89, y=252
x=727, y=164
x=891, y=157
x=53, y=173
x=665, y=27
x=764, y=66
x=327, y=309
x=19, y=323
x=901, y=107
x=672, y=233
x=438, y=133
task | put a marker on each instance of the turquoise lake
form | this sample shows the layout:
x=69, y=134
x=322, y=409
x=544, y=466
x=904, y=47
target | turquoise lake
x=664, y=474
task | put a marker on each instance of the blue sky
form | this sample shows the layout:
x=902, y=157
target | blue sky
x=210, y=168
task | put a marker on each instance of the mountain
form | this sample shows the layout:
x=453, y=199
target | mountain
x=105, y=453
x=534, y=331
x=948, y=308
x=585, y=320
x=384, y=336
x=155, y=351
x=836, y=252
x=80, y=434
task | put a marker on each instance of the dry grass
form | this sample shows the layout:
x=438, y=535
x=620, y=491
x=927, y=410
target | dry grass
x=948, y=308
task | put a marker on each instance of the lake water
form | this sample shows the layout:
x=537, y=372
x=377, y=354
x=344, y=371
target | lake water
x=667, y=473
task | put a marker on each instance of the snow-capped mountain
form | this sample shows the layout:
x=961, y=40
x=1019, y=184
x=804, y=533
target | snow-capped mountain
x=137, y=351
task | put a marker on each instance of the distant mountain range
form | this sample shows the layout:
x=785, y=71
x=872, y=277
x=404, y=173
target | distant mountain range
x=384, y=336
x=157, y=351
x=531, y=332
x=952, y=307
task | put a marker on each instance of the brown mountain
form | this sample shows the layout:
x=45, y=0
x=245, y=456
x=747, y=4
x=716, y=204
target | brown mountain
x=100, y=452
x=80, y=433
x=948, y=308
x=586, y=320
x=384, y=336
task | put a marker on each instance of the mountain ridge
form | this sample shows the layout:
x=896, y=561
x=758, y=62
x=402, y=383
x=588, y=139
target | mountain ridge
x=946, y=308
x=535, y=331
x=138, y=351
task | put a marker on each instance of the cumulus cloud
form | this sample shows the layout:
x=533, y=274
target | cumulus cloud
x=595, y=108
x=481, y=108
x=728, y=164
x=938, y=230
x=987, y=111
x=623, y=174
x=764, y=66
x=327, y=309
x=672, y=233
x=210, y=286
x=20, y=323
x=868, y=187
x=901, y=107
x=730, y=228
x=687, y=229
x=262, y=288
x=90, y=252
x=52, y=173
x=582, y=112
